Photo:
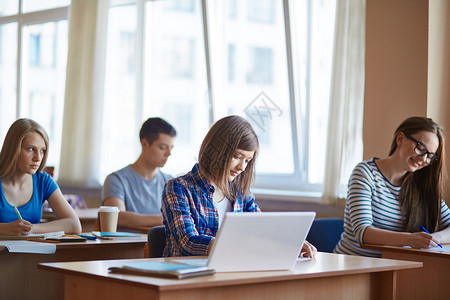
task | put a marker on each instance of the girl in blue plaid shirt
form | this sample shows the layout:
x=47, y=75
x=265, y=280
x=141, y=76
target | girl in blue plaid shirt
x=193, y=205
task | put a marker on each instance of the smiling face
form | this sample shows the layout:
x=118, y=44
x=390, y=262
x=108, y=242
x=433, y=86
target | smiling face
x=406, y=146
x=32, y=153
x=238, y=163
x=157, y=154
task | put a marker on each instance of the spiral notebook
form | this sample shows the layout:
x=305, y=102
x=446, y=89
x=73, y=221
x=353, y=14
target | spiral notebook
x=32, y=236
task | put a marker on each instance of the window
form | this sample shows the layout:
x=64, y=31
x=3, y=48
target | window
x=179, y=57
x=271, y=70
x=261, y=66
x=38, y=74
x=8, y=76
x=231, y=62
x=262, y=10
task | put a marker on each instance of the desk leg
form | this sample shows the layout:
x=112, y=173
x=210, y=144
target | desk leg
x=384, y=285
x=430, y=282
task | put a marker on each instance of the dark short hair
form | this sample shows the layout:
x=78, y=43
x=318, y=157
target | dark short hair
x=151, y=129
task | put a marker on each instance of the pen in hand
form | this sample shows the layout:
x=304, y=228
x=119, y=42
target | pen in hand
x=424, y=230
x=18, y=213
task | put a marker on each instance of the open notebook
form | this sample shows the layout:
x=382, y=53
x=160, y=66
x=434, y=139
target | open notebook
x=32, y=236
x=257, y=242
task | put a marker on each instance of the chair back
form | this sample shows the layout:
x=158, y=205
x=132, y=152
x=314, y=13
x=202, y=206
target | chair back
x=156, y=240
x=325, y=233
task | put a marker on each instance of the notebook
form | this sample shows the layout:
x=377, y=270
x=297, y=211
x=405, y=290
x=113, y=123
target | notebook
x=162, y=269
x=32, y=236
x=67, y=239
x=28, y=247
x=257, y=242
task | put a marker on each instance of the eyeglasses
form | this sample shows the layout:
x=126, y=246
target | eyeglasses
x=421, y=150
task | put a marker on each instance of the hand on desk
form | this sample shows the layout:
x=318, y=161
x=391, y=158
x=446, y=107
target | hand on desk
x=308, y=250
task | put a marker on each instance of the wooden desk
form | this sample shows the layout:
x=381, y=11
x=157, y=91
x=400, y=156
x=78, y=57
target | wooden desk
x=430, y=282
x=329, y=276
x=21, y=279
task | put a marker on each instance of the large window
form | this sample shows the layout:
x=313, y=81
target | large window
x=193, y=62
x=33, y=55
x=260, y=64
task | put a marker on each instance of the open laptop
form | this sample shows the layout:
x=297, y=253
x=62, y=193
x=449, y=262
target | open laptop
x=257, y=242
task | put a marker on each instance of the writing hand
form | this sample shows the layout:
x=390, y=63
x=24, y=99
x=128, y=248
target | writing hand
x=422, y=240
x=19, y=227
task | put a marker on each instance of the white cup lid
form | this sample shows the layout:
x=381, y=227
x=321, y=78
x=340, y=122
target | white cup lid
x=109, y=209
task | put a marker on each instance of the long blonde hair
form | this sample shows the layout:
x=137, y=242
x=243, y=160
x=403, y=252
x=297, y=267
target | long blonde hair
x=222, y=140
x=12, y=145
x=422, y=191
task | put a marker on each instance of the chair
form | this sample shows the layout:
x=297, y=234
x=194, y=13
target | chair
x=325, y=233
x=156, y=240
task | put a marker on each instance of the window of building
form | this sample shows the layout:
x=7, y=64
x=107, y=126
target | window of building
x=272, y=70
x=33, y=84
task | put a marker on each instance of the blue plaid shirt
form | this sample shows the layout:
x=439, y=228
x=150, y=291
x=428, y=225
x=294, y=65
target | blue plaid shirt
x=189, y=215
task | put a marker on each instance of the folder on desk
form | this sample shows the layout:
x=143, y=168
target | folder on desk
x=114, y=234
x=162, y=269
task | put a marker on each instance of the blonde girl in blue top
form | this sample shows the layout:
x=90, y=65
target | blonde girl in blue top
x=194, y=204
x=25, y=186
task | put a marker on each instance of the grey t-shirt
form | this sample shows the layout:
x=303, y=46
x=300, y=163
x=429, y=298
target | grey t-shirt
x=139, y=194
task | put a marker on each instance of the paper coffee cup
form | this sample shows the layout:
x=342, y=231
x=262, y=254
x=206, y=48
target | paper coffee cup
x=108, y=218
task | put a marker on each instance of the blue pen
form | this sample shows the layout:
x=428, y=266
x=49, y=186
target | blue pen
x=424, y=230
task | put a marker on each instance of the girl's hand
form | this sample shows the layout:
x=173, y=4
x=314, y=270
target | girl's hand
x=308, y=250
x=19, y=227
x=422, y=240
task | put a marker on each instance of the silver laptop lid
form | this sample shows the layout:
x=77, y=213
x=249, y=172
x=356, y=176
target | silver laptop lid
x=259, y=241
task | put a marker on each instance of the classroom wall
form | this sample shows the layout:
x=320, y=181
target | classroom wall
x=439, y=70
x=396, y=69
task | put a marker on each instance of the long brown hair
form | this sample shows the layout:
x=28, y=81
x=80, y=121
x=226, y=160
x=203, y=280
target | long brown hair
x=222, y=140
x=421, y=192
x=12, y=145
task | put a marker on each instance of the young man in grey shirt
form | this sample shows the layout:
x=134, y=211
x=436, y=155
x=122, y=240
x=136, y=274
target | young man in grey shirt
x=137, y=188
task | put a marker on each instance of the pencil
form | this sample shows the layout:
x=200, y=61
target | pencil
x=17, y=212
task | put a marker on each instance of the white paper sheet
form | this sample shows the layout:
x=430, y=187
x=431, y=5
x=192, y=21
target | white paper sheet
x=443, y=249
x=29, y=247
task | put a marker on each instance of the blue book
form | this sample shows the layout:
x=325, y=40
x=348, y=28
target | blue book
x=114, y=234
x=162, y=269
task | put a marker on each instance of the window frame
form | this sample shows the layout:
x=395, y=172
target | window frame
x=23, y=20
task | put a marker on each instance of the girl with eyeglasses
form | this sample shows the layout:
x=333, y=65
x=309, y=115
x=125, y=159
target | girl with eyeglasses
x=389, y=200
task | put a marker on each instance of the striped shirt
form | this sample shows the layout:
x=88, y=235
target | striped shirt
x=373, y=201
x=190, y=216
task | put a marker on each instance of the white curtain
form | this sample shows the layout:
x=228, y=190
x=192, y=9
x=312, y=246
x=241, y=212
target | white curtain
x=80, y=147
x=344, y=148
